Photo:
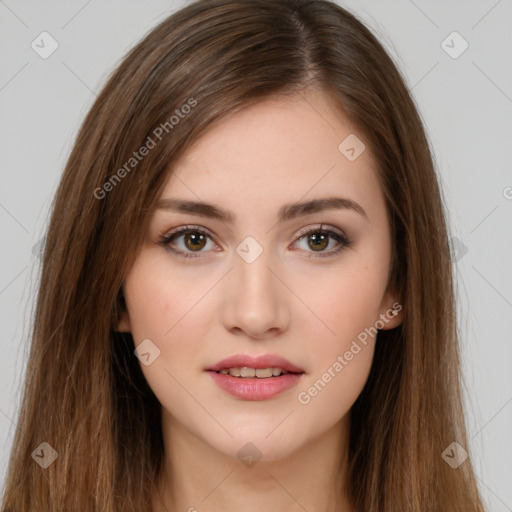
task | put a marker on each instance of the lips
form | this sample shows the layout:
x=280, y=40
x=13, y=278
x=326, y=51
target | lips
x=264, y=361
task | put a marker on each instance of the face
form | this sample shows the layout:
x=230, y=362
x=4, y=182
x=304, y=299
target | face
x=265, y=277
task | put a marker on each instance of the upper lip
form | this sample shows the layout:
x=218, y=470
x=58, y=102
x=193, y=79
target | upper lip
x=264, y=361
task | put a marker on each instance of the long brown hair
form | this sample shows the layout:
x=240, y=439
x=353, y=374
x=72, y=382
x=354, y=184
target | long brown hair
x=85, y=394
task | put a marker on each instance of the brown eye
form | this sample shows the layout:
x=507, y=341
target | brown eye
x=318, y=241
x=186, y=241
x=194, y=240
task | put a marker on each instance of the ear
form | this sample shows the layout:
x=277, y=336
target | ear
x=123, y=324
x=391, y=311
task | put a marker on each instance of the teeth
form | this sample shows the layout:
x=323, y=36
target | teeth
x=245, y=372
x=263, y=372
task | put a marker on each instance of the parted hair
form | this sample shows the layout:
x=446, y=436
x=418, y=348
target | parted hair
x=84, y=392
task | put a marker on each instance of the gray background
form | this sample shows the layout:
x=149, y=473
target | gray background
x=466, y=104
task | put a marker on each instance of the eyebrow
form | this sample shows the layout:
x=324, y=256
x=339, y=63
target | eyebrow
x=285, y=213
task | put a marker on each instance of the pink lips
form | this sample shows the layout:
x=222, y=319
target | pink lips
x=255, y=388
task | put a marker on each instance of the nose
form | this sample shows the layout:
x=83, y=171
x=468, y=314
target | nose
x=256, y=299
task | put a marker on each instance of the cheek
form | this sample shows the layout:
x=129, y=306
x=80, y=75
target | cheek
x=171, y=310
x=149, y=303
x=340, y=369
x=161, y=309
x=348, y=304
x=329, y=395
x=161, y=300
x=344, y=303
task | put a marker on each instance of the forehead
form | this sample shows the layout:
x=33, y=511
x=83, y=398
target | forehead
x=277, y=151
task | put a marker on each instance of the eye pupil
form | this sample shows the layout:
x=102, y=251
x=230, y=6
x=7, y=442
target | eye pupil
x=197, y=240
x=318, y=241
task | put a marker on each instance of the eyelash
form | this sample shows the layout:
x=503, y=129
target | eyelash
x=165, y=240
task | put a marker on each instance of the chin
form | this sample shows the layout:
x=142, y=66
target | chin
x=258, y=444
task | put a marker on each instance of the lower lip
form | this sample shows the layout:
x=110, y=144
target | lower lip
x=255, y=388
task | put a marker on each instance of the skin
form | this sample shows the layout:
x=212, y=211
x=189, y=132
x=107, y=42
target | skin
x=307, y=309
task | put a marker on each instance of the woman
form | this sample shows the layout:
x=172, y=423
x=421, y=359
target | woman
x=246, y=298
